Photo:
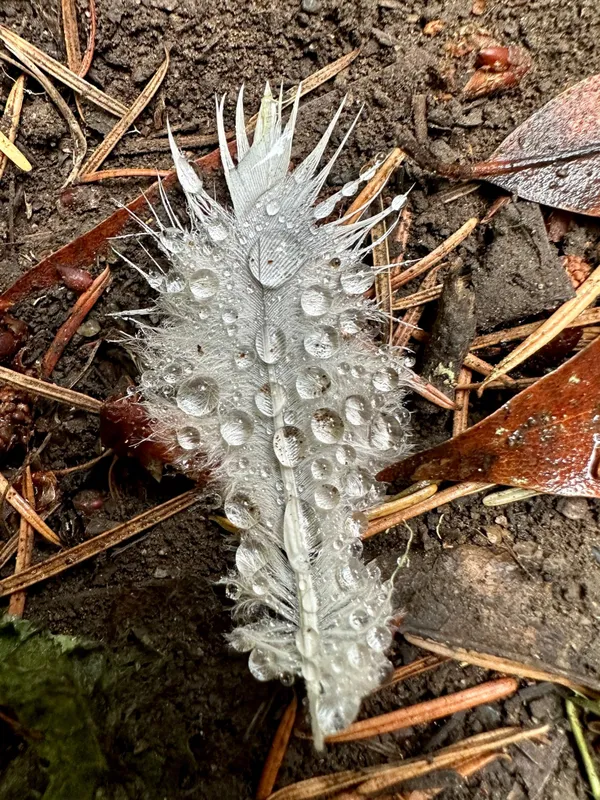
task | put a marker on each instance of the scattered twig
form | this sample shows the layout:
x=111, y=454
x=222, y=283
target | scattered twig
x=427, y=711
x=86, y=465
x=418, y=298
x=10, y=120
x=67, y=330
x=406, y=500
x=16, y=605
x=114, y=135
x=584, y=752
x=86, y=61
x=460, y=421
x=445, y=496
x=392, y=162
x=589, y=317
x=406, y=326
x=383, y=285
x=436, y=255
x=20, y=47
x=135, y=172
x=507, y=496
x=517, y=383
x=499, y=664
x=71, y=34
x=585, y=296
x=277, y=751
x=418, y=667
x=26, y=511
x=430, y=392
x=99, y=544
x=464, y=769
x=8, y=550
x=50, y=390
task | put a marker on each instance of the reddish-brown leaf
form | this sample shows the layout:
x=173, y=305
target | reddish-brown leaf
x=547, y=438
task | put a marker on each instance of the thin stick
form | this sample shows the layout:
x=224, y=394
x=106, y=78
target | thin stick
x=86, y=61
x=427, y=711
x=407, y=325
x=8, y=550
x=465, y=769
x=99, y=544
x=390, y=165
x=20, y=46
x=11, y=117
x=418, y=667
x=418, y=298
x=277, y=751
x=21, y=505
x=135, y=172
x=445, y=496
x=436, y=255
x=584, y=752
x=85, y=302
x=517, y=383
x=114, y=135
x=383, y=285
x=499, y=664
x=460, y=421
x=405, y=501
x=548, y=330
x=477, y=364
x=16, y=605
x=50, y=390
x=71, y=34
x=589, y=317
x=86, y=465
x=431, y=393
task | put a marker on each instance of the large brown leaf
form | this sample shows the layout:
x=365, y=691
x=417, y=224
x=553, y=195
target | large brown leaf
x=547, y=438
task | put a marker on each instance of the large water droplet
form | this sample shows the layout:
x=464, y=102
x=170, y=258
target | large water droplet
x=357, y=409
x=312, y=383
x=217, y=232
x=250, y=556
x=345, y=455
x=237, y=428
x=315, y=301
x=322, y=342
x=385, y=432
x=273, y=259
x=241, y=510
x=270, y=343
x=198, y=396
x=204, y=284
x=385, y=380
x=289, y=445
x=327, y=425
x=351, y=322
x=262, y=665
x=379, y=638
x=357, y=482
x=327, y=496
x=321, y=468
x=188, y=438
x=270, y=399
x=357, y=279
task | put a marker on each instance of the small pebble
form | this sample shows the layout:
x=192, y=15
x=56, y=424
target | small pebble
x=161, y=572
x=501, y=520
x=311, y=6
x=573, y=507
x=89, y=328
x=494, y=533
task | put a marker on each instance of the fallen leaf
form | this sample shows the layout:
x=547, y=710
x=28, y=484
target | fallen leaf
x=547, y=438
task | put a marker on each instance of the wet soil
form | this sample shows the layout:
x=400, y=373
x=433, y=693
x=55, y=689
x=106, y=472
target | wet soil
x=521, y=581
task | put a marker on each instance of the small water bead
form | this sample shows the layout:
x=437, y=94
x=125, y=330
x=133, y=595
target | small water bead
x=398, y=202
x=250, y=556
x=172, y=373
x=321, y=468
x=204, y=284
x=217, y=232
x=198, y=396
x=307, y=643
x=260, y=585
x=327, y=496
x=359, y=619
x=327, y=425
x=323, y=342
x=241, y=510
x=232, y=591
x=289, y=445
x=325, y=208
x=203, y=312
x=334, y=714
x=358, y=371
x=379, y=638
x=358, y=656
x=261, y=665
x=270, y=343
x=355, y=548
x=229, y=316
x=357, y=483
x=343, y=368
x=349, y=575
x=270, y=399
x=385, y=380
x=272, y=208
x=385, y=432
x=357, y=409
x=188, y=438
x=237, y=428
x=312, y=383
x=345, y=455
x=356, y=524
x=350, y=188
x=244, y=358
x=316, y=301
x=351, y=322
x=357, y=279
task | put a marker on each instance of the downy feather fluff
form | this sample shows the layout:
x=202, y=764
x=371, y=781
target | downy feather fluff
x=266, y=368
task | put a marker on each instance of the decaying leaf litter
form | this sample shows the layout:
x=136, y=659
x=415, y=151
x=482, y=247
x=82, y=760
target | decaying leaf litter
x=388, y=59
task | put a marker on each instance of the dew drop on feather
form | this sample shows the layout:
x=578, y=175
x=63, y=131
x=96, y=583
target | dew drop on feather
x=385, y=432
x=327, y=496
x=270, y=399
x=357, y=279
x=198, y=396
x=327, y=426
x=316, y=301
x=357, y=409
x=188, y=438
x=385, y=380
x=241, y=510
x=270, y=343
x=204, y=284
x=322, y=342
x=237, y=428
x=289, y=445
x=312, y=383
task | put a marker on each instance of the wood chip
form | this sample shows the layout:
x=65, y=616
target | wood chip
x=50, y=390
x=11, y=117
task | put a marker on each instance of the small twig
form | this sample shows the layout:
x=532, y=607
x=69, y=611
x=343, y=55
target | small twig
x=418, y=298
x=402, y=502
x=506, y=496
x=86, y=61
x=16, y=605
x=439, y=499
x=436, y=255
x=383, y=285
x=392, y=162
x=427, y=711
x=460, y=421
x=548, y=330
x=67, y=330
x=584, y=752
x=108, y=174
x=11, y=117
x=418, y=667
x=406, y=327
x=114, y=135
x=71, y=34
x=477, y=364
x=99, y=544
x=498, y=663
x=277, y=752
x=419, y=109
x=21, y=505
x=430, y=392
x=86, y=465
x=50, y=390
x=517, y=383
x=589, y=317
x=8, y=550
x=465, y=769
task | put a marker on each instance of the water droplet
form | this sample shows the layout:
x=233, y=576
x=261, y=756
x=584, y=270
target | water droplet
x=325, y=208
x=204, y=284
x=345, y=455
x=358, y=656
x=237, y=428
x=321, y=468
x=379, y=638
x=398, y=202
x=385, y=380
x=349, y=575
x=359, y=619
x=357, y=279
x=315, y=301
x=300, y=527
x=217, y=232
x=386, y=432
x=244, y=358
x=273, y=259
x=327, y=425
x=357, y=409
x=270, y=399
x=273, y=208
x=312, y=383
x=241, y=511
x=270, y=343
x=336, y=713
x=188, y=438
x=289, y=445
x=350, y=188
x=351, y=322
x=307, y=643
x=250, y=556
x=229, y=316
x=172, y=373
x=356, y=524
x=327, y=496
x=357, y=482
x=198, y=396
x=322, y=342
x=261, y=665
